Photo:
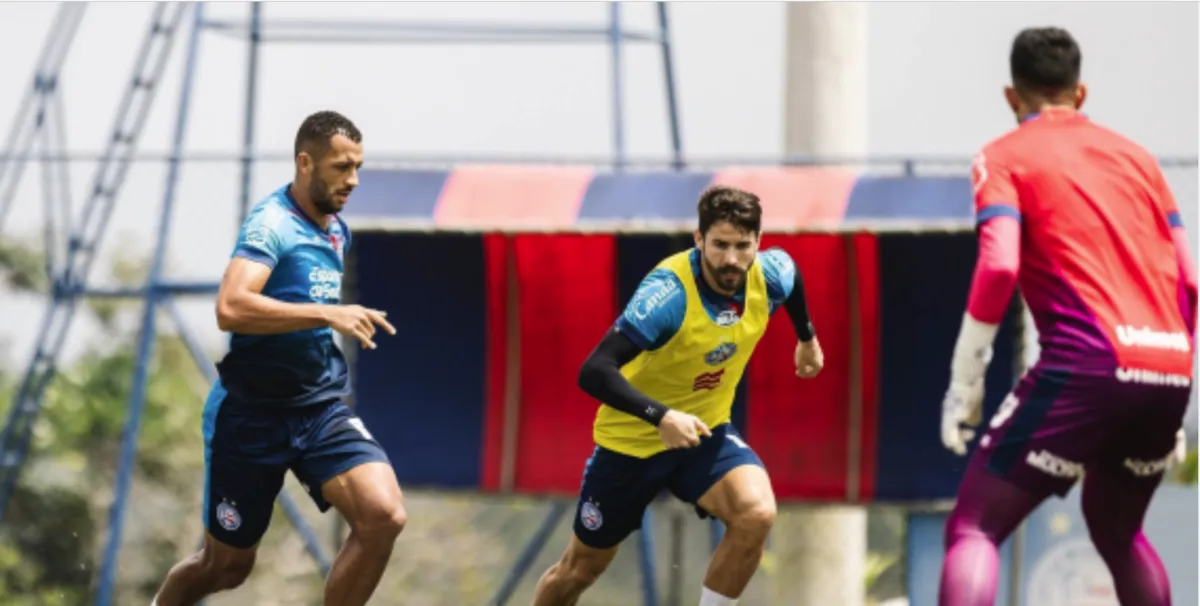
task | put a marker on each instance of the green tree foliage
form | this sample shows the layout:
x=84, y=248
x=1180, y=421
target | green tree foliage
x=51, y=541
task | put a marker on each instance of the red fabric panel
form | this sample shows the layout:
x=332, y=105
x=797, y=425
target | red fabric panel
x=512, y=196
x=568, y=300
x=800, y=426
x=866, y=247
x=496, y=258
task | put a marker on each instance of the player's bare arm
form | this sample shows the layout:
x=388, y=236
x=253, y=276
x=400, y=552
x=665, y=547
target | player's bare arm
x=242, y=308
x=600, y=377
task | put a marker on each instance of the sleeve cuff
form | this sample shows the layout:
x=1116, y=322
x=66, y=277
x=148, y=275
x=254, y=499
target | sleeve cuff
x=996, y=210
x=257, y=257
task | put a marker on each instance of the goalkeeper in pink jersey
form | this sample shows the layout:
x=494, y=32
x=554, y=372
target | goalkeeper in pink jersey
x=1081, y=219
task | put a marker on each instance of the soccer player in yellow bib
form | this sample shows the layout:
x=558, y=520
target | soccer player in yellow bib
x=666, y=374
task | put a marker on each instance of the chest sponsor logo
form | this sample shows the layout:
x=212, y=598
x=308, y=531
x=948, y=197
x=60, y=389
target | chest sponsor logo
x=325, y=284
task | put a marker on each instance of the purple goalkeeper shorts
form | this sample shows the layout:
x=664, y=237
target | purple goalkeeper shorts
x=1056, y=424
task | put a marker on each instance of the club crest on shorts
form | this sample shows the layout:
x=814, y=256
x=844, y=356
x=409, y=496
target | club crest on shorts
x=228, y=516
x=721, y=354
x=590, y=516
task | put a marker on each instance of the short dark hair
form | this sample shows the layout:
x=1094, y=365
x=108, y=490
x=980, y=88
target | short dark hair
x=1045, y=61
x=318, y=129
x=721, y=203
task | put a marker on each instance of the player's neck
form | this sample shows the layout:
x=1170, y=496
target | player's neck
x=308, y=208
x=1052, y=109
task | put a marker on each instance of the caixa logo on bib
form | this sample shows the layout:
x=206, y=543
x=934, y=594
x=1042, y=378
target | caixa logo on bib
x=721, y=354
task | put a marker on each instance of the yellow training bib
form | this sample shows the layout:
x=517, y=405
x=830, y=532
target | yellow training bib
x=696, y=372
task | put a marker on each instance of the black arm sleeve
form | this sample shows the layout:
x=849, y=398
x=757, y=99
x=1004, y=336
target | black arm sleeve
x=601, y=378
x=797, y=308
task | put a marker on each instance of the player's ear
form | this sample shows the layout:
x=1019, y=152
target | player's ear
x=699, y=239
x=1080, y=95
x=1013, y=99
x=304, y=163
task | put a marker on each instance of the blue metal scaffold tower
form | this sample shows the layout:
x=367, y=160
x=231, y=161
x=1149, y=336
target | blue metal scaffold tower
x=73, y=241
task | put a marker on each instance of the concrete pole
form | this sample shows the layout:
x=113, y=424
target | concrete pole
x=821, y=551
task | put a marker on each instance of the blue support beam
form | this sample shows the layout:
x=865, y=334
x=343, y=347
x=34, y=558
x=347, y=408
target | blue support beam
x=664, y=32
x=529, y=554
x=85, y=238
x=32, y=114
x=145, y=354
x=646, y=559
x=255, y=40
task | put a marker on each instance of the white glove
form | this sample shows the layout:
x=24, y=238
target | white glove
x=963, y=405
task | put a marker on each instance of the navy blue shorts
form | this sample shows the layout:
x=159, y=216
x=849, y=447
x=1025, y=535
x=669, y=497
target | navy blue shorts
x=617, y=488
x=249, y=449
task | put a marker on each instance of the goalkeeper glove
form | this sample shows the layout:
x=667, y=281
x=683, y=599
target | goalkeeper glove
x=963, y=402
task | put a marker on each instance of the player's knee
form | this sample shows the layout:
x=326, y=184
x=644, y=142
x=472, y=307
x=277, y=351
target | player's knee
x=755, y=522
x=959, y=527
x=383, y=521
x=228, y=571
x=580, y=573
x=1107, y=537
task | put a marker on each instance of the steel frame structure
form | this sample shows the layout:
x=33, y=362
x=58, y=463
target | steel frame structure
x=69, y=282
x=69, y=259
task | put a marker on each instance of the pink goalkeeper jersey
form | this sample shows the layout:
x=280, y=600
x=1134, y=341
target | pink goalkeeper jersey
x=1098, y=263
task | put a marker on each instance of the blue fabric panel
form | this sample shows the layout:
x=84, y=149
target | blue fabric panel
x=669, y=196
x=396, y=194
x=892, y=198
x=924, y=281
x=422, y=392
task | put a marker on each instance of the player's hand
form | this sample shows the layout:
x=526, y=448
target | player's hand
x=809, y=359
x=963, y=405
x=681, y=430
x=359, y=322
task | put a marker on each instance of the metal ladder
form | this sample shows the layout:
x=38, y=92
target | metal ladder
x=84, y=241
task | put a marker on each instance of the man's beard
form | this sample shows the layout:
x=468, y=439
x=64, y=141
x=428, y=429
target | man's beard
x=728, y=278
x=318, y=190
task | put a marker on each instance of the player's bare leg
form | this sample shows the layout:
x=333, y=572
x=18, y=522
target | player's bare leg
x=745, y=502
x=578, y=569
x=370, y=499
x=1114, y=508
x=216, y=567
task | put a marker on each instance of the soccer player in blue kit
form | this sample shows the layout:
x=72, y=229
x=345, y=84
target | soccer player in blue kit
x=278, y=403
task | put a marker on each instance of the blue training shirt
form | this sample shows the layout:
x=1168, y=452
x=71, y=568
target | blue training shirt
x=296, y=368
x=656, y=310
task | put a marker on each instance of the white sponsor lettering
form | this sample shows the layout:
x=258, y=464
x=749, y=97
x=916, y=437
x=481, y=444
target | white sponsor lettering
x=1151, y=377
x=1153, y=339
x=653, y=297
x=1007, y=408
x=325, y=284
x=1054, y=465
x=1149, y=468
